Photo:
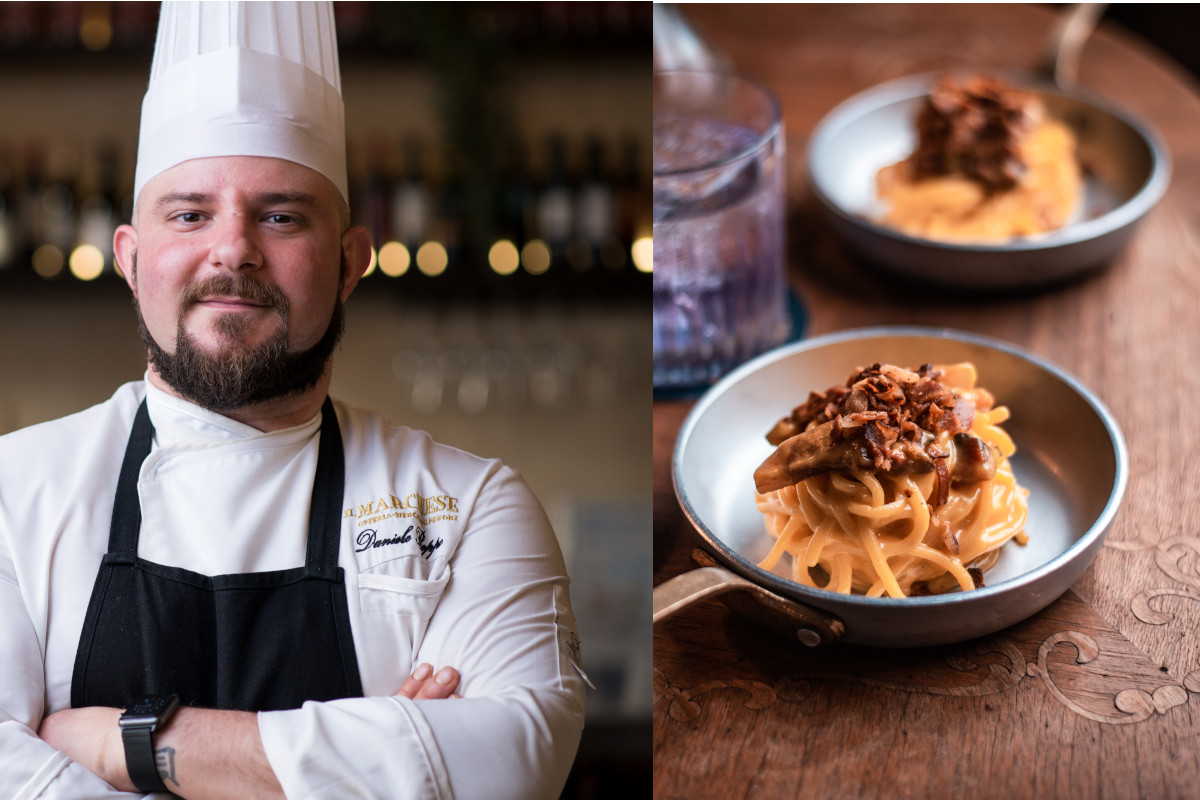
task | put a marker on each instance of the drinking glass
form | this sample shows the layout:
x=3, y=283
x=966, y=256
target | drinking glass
x=720, y=278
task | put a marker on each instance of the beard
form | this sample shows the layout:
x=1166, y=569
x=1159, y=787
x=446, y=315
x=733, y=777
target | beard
x=236, y=375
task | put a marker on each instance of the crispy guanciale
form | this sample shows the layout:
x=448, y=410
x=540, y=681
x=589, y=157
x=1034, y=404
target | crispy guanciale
x=885, y=419
x=972, y=126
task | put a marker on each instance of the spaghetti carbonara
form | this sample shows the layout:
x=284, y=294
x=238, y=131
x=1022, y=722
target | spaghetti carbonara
x=897, y=484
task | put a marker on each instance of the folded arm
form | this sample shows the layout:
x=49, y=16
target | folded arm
x=201, y=753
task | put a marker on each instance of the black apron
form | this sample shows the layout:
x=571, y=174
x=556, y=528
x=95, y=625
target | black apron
x=261, y=641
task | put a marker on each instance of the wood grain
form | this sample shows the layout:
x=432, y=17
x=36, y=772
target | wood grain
x=1097, y=696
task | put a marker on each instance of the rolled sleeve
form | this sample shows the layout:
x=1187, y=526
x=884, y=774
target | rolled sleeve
x=369, y=747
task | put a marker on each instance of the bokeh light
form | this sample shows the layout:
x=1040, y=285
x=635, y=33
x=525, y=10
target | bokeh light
x=48, y=261
x=643, y=254
x=86, y=262
x=504, y=258
x=374, y=263
x=535, y=256
x=394, y=259
x=432, y=258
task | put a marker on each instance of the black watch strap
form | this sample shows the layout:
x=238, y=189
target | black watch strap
x=139, y=723
x=140, y=760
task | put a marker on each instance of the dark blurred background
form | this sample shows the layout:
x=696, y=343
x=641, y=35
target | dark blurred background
x=1169, y=26
x=468, y=125
x=500, y=156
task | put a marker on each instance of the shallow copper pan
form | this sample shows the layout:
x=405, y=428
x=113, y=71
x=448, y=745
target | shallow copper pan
x=1126, y=167
x=1070, y=455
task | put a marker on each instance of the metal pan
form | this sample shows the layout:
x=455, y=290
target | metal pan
x=1070, y=455
x=1126, y=169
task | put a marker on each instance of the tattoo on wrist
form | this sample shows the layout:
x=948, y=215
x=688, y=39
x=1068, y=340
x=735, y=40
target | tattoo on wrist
x=164, y=760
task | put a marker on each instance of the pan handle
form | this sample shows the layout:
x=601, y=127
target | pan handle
x=1074, y=28
x=812, y=627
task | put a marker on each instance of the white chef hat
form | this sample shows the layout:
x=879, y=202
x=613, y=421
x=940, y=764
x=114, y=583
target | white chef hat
x=244, y=79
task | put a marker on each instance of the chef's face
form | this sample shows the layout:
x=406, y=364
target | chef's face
x=237, y=259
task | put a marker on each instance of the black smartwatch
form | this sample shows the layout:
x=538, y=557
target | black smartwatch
x=138, y=725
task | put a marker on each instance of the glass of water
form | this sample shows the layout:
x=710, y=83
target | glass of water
x=720, y=276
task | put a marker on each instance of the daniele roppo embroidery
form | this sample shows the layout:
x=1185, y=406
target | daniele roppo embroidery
x=424, y=511
x=369, y=540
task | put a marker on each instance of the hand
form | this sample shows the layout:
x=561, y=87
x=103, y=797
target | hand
x=424, y=684
x=91, y=737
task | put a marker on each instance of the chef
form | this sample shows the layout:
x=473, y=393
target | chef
x=222, y=583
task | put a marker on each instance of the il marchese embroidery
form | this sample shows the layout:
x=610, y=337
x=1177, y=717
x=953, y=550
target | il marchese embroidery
x=428, y=510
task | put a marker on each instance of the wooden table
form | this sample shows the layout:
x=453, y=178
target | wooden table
x=1098, y=695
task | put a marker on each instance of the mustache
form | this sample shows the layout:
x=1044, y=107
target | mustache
x=241, y=286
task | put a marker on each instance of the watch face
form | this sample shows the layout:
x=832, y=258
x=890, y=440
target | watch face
x=148, y=710
x=152, y=706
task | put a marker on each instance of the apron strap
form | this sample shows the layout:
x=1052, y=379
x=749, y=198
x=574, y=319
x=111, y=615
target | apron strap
x=127, y=510
x=325, y=509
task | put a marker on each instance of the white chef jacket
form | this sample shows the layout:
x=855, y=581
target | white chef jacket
x=448, y=559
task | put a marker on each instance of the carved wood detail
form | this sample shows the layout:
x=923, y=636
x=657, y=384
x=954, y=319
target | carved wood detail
x=1136, y=705
x=1132, y=704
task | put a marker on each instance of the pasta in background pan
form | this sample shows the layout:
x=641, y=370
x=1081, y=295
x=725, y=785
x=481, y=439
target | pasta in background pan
x=990, y=165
